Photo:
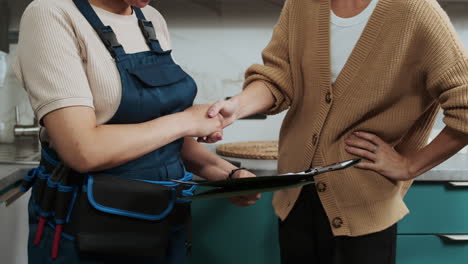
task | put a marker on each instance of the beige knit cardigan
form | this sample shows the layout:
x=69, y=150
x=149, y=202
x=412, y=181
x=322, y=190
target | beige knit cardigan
x=407, y=64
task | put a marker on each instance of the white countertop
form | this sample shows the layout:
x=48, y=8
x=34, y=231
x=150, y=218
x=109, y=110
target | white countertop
x=454, y=169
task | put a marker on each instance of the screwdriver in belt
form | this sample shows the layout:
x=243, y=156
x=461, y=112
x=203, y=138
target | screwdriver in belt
x=61, y=211
x=49, y=193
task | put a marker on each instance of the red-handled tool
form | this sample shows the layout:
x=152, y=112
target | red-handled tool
x=61, y=208
x=56, y=243
x=47, y=200
x=40, y=230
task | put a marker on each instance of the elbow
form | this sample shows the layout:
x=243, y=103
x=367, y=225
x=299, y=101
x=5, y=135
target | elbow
x=82, y=160
x=83, y=166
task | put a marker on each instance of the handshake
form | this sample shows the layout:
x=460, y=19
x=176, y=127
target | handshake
x=207, y=121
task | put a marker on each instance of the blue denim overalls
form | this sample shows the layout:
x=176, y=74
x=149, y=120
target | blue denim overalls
x=152, y=86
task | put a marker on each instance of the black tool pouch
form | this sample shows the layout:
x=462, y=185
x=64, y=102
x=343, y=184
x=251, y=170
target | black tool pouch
x=120, y=216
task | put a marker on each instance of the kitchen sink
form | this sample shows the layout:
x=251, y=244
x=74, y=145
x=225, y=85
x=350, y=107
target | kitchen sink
x=12, y=178
x=15, y=160
x=10, y=186
x=22, y=152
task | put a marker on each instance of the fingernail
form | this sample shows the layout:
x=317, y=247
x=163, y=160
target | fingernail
x=211, y=113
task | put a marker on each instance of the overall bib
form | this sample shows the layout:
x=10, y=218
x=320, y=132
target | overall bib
x=152, y=86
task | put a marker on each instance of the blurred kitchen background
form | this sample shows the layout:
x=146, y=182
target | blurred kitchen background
x=214, y=40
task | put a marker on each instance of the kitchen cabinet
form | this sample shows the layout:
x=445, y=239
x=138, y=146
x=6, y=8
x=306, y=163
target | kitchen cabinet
x=228, y=234
x=436, y=230
x=10, y=15
x=436, y=208
x=4, y=16
x=431, y=249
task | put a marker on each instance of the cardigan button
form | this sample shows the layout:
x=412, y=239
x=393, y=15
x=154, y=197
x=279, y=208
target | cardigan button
x=314, y=139
x=337, y=222
x=328, y=98
x=321, y=187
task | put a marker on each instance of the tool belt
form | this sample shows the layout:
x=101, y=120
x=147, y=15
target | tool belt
x=106, y=214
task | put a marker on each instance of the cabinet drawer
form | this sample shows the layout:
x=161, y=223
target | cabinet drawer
x=436, y=207
x=431, y=249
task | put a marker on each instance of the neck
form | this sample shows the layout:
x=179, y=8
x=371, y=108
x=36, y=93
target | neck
x=349, y=8
x=118, y=7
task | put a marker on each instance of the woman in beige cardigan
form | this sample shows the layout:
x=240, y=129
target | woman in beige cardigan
x=365, y=80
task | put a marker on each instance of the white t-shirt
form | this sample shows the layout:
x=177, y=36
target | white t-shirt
x=62, y=62
x=344, y=34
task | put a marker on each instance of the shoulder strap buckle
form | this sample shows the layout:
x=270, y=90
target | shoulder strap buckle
x=147, y=29
x=108, y=37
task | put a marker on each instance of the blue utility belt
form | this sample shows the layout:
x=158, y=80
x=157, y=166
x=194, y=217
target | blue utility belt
x=48, y=188
x=105, y=213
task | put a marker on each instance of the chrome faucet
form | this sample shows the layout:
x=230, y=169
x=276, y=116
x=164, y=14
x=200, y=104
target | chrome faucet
x=25, y=130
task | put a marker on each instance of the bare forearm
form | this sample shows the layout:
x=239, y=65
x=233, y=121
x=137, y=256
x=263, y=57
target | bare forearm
x=256, y=98
x=444, y=146
x=204, y=163
x=89, y=148
x=133, y=140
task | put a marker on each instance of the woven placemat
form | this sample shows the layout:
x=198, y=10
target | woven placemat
x=267, y=150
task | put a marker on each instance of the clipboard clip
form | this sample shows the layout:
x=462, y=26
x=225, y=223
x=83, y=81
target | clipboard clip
x=332, y=167
x=303, y=175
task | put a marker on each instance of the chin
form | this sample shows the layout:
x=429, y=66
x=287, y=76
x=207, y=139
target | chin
x=142, y=3
x=138, y=3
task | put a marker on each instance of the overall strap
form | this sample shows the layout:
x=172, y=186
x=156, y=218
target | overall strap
x=147, y=29
x=105, y=33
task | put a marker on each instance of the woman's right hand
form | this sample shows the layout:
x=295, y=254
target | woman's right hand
x=200, y=124
x=228, y=109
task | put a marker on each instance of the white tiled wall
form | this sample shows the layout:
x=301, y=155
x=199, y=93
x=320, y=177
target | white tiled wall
x=216, y=41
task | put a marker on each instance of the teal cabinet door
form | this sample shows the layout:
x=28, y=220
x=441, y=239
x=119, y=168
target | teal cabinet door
x=227, y=234
x=430, y=249
x=436, y=208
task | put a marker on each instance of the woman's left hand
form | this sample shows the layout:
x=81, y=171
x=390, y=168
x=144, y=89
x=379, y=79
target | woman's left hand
x=379, y=156
x=246, y=200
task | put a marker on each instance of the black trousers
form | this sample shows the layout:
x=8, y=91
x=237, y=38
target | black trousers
x=306, y=238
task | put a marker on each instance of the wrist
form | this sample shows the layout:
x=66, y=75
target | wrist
x=189, y=127
x=412, y=171
x=236, y=102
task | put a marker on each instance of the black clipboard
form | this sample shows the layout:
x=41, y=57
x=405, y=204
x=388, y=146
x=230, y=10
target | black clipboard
x=246, y=186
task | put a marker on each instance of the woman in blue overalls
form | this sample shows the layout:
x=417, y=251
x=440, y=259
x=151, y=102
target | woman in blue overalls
x=149, y=138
